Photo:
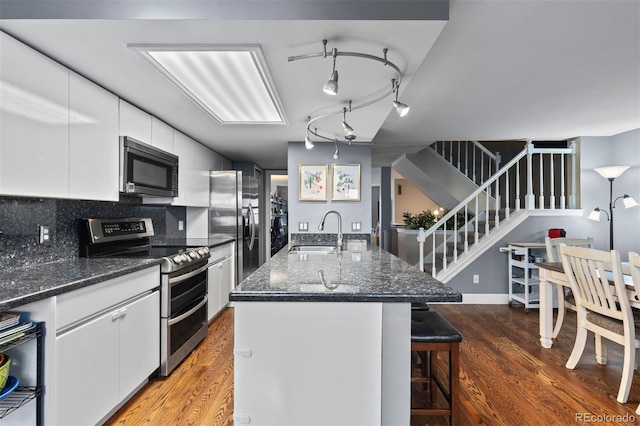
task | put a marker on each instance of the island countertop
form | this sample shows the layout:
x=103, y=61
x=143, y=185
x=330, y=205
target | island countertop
x=349, y=276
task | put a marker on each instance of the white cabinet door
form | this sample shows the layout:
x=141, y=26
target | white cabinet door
x=213, y=291
x=86, y=374
x=220, y=279
x=193, y=172
x=134, y=122
x=226, y=283
x=34, y=135
x=161, y=135
x=93, y=141
x=139, y=342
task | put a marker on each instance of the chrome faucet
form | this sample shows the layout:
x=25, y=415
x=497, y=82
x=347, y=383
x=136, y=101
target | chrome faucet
x=321, y=226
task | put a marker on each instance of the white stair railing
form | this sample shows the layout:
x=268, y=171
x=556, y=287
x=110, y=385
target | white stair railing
x=471, y=158
x=548, y=171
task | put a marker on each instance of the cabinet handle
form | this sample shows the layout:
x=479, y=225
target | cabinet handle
x=123, y=312
x=245, y=353
x=115, y=315
x=242, y=419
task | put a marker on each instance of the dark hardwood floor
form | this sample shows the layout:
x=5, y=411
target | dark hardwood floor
x=506, y=377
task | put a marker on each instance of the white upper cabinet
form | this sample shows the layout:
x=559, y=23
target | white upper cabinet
x=193, y=172
x=93, y=141
x=161, y=135
x=134, y=122
x=34, y=135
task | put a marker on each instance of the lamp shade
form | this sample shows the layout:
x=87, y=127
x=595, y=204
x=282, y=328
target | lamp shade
x=629, y=201
x=594, y=215
x=611, y=172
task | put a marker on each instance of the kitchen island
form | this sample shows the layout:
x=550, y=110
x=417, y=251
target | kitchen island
x=324, y=338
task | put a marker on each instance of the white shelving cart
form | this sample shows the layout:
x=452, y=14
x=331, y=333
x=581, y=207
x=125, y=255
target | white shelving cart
x=524, y=284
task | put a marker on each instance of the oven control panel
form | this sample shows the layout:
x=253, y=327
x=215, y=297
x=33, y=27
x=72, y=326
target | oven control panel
x=190, y=255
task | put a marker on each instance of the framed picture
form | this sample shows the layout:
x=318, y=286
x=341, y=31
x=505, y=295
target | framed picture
x=346, y=182
x=313, y=182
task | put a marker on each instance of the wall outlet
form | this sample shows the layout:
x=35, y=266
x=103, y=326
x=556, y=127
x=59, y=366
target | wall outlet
x=181, y=225
x=476, y=278
x=44, y=234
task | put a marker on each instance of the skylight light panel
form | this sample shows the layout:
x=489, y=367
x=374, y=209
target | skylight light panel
x=230, y=83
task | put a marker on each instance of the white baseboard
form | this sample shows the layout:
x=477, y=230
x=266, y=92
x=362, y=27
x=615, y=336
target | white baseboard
x=485, y=299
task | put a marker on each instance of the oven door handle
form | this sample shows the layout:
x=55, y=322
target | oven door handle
x=189, y=313
x=187, y=275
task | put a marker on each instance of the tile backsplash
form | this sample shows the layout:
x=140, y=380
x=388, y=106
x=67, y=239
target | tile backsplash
x=20, y=217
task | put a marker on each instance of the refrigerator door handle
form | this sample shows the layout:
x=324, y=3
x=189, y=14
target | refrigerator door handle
x=251, y=226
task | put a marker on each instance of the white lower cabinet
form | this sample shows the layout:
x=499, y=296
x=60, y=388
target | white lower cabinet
x=102, y=358
x=219, y=278
x=87, y=371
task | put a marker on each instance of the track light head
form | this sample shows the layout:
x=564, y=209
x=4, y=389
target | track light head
x=336, y=154
x=307, y=142
x=401, y=109
x=331, y=86
x=348, y=130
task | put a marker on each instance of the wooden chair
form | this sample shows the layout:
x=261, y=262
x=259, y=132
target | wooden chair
x=430, y=334
x=565, y=298
x=602, y=307
x=634, y=266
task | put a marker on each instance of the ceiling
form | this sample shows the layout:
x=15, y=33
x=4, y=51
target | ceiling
x=495, y=70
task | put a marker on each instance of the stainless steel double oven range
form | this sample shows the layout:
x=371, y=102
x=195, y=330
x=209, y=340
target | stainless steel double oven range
x=183, y=280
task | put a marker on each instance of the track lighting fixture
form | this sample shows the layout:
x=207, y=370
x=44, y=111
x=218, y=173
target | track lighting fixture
x=331, y=86
x=401, y=109
x=348, y=130
x=336, y=154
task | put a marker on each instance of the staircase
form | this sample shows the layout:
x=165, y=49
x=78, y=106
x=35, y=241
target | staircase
x=537, y=181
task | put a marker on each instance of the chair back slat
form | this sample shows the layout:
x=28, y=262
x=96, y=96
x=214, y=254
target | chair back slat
x=587, y=271
x=552, y=245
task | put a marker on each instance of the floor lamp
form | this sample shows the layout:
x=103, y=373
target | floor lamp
x=611, y=173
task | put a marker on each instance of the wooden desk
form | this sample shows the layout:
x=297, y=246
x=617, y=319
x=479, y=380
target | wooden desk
x=552, y=274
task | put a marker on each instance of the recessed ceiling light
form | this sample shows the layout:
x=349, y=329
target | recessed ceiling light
x=230, y=83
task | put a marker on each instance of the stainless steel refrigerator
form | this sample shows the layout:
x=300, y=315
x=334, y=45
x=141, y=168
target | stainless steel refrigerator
x=234, y=211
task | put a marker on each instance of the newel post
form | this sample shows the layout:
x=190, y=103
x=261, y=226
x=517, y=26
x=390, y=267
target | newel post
x=422, y=235
x=530, y=199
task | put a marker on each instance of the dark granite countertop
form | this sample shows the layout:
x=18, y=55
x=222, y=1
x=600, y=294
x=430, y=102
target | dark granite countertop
x=191, y=242
x=349, y=276
x=19, y=286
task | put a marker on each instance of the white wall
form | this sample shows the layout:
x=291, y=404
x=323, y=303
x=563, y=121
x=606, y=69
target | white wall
x=312, y=211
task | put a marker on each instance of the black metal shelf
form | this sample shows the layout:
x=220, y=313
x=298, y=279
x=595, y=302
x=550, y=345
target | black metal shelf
x=23, y=394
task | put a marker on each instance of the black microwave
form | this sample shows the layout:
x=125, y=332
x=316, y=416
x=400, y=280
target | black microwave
x=146, y=170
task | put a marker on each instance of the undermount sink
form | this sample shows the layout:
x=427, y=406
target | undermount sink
x=313, y=249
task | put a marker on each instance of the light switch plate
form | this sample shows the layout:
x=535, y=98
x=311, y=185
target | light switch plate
x=303, y=226
x=356, y=226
